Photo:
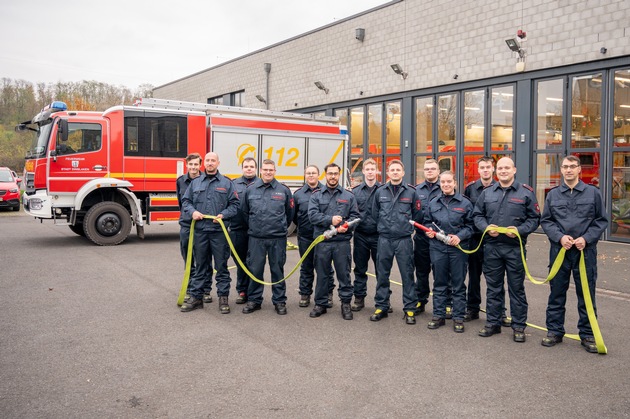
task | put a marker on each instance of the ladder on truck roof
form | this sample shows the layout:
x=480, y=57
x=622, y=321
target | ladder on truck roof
x=210, y=109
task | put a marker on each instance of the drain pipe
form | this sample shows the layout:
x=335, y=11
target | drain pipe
x=267, y=71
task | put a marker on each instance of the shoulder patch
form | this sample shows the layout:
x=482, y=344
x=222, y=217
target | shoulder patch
x=529, y=188
x=470, y=183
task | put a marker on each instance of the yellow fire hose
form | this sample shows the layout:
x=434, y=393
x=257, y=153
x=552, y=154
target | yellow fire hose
x=599, y=340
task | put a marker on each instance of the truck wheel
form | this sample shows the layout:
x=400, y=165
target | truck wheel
x=107, y=224
x=78, y=229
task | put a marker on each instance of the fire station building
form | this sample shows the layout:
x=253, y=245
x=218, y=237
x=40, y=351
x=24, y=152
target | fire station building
x=456, y=80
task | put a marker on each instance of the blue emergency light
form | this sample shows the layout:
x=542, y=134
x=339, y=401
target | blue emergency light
x=56, y=106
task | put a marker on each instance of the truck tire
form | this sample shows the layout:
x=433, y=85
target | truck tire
x=107, y=224
x=77, y=229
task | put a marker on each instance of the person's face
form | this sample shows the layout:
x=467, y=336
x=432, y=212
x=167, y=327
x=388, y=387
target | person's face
x=211, y=163
x=506, y=171
x=267, y=172
x=311, y=175
x=485, y=170
x=570, y=170
x=249, y=169
x=369, y=172
x=332, y=177
x=395, y=172
x=431, y=172
x=193, y=167
x=447, y=184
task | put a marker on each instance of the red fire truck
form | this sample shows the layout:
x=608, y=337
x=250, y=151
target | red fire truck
x=99, y=173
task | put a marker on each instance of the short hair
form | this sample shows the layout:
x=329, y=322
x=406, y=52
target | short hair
x=249, y=159
x=193, y=156
x=395, y=161
x=573, y=159
x=486, y=159
x=431, y=161
x=269, y=161
x=329, y=165
x=448, y=172
x=313, y=166
x=370, y=161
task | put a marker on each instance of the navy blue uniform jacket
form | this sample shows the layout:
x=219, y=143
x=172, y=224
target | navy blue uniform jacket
x=393, y=212
x=577, y=212
x=515, y=206
x=211, y=195
x=325, y=204
x=267, y=209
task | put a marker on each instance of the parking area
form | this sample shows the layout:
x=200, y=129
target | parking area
x=92, y=331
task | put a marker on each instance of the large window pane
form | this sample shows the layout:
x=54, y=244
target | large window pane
x=547, y=175
x=620, y=193
x=586, y=100
x=375, y=129
x=549, y=114
x=502, y=118
x=621, y=119
x=424, y=124
x=447, y=115
x=474, y=120
x=392, y=128
x=356, y=131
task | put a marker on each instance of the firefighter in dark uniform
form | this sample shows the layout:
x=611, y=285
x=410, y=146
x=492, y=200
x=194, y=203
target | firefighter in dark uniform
x=238, y=229
x=485, y=168
x=210, y=194
x=193, y=163
x=451, y=213
x=426, y=190
x=333, y=206
x=511, y=204
x=395, y=204
x=573, y=218
x=366, y=233
x=302, y=197
x=267, y=208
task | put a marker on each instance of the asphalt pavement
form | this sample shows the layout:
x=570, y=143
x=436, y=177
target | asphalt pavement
x=95, y=332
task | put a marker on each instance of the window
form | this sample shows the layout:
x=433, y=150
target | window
x=82, y=138
x=620, y=178
x=156, y=135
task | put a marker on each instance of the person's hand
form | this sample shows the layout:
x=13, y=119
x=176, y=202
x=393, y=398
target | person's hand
x=580, y=243
x=511, y=233
x=342, y=229
x=492, y=230
x=453, y=240
x=566, y=242
x=336, y=220
x=197, y=216
x=218, y=217
x=430, y=234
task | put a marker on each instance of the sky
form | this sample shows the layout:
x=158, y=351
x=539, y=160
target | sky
x=133, y=42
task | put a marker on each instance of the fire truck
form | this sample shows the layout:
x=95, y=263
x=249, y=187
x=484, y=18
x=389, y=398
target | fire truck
x=100, y=173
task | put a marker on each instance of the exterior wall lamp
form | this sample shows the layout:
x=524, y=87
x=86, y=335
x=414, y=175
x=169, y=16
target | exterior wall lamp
x=398, y=70
x=320, y=86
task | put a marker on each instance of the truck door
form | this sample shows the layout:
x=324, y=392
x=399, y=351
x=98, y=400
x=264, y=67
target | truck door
x=82, y=157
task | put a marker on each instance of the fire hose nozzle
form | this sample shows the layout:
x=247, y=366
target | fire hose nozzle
x=332, y=231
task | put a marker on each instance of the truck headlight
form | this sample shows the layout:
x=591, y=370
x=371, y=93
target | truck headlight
x=35, y=204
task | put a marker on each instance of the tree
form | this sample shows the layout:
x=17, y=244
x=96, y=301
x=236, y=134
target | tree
x=21, y=100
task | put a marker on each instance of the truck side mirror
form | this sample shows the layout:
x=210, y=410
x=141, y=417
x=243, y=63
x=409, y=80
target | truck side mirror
x=63, y=129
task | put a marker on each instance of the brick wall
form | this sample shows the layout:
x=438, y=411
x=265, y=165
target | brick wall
x=431, y=39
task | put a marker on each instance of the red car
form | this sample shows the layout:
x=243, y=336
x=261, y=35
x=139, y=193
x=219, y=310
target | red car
x=9, y=189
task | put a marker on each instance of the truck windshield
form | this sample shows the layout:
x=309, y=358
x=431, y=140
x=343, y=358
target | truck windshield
x=40, y=140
